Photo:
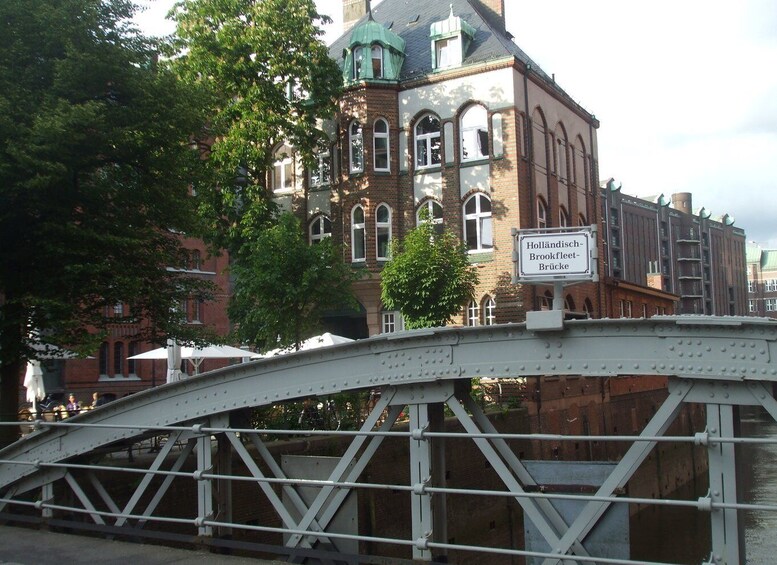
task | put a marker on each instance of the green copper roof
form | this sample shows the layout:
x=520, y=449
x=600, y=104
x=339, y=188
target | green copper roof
x=370, y=32
x=753, y=254
x=769, y=260
x=451, y=26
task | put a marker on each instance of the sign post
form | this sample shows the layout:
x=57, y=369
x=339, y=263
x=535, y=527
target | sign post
x=557, y=256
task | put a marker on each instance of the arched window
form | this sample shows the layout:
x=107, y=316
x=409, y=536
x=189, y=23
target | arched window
x=358, y=62
x=478, y=232
x=563, y=218
x=382, y=231
x=282, y=169
x=427, y=142
x=320, y=228
x=569, y=303
x=474, y=133
x=546, y=301
x=431, y=210
x=356, y=145
x=118, y=359
x=588, y=308
x=473, y=314
x=489, y=311
x=380, y=142
x=377, y=61
x=581, y=221
x=358, y=235
x=542, y=213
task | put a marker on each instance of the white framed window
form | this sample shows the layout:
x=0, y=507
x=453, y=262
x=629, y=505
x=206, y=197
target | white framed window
x=473, y=314
x=382, y=231
x=542, y=213
x=196, y=310
x=563, y=218
x=770, y=285
x=751, y=305
x=380, y=143
x=376, y=56
x=118, y=310
x=771, y=304
x=282, y=177
x=392, y=321
x=358, y=62
x=321, y=173
x=433, y=211
x=320, y=228
x=447, y=52
x=356, y=147
x=751, y=287
x=478, y=230
x=474, y=133
x=489, y=311
x=358, y=235
x=581, y=221
x=428, y=144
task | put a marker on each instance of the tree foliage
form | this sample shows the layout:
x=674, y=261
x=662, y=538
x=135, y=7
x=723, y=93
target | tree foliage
x=429, y=277
x=95, y=169
x=269, y=80
x=284, y=286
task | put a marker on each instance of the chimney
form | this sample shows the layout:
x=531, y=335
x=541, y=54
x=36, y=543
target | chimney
x=493, y=10
x=353, y=11
x=681, y=201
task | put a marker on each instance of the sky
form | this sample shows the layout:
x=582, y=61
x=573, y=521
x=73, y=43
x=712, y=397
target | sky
x=685, y=92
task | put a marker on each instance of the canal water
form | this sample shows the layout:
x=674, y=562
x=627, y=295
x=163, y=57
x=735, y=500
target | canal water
x=672, y=535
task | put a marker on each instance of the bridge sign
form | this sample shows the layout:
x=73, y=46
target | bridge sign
x=557, y=254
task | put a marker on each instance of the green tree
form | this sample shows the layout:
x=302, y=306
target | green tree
x=95, y=169
x=269, y=80
x=283, y=286
x=429, y=277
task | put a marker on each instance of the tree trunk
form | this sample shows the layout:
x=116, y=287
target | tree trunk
x=11, y=363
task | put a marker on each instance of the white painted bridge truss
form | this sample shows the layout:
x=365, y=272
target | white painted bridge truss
x=718, y=362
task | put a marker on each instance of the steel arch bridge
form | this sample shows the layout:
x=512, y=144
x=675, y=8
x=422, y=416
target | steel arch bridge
x=721, y=362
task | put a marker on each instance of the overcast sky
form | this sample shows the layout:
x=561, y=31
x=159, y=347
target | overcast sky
x=686, y=92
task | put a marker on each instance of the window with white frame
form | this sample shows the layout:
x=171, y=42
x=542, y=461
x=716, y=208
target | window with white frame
x=447, y=52
x=750, y=286
x=358, y=235
x=473, y=314
x=196, y=311
x=474, y=133
x=489, y=311
x=321, y=173
x=358, y=62
x=542, y=213
x=380, y=142
x=382, y=231
x=356, y=146
x=282, y=177
x=431, y=211
x=770, y=285
x=751, y=305
x=376, y=55
x=427, y=142
x=771, y=304
x=563, y=217
x=391, y=321
x=118, y=310
x=478, y=231
x=581, y=221
x=320, y=228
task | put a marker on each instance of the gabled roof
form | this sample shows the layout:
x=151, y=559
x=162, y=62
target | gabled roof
x=411, y=20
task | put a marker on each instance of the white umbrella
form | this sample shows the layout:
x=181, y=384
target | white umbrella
x=173, y=354
x=196, y=355
x=323, y=340
x=33, y=382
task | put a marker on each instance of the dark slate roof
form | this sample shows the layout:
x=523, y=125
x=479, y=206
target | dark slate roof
x=410, y=19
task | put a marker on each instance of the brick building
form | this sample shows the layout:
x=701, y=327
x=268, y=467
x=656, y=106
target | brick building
x=443, y=112
x=667, y=245
x=762, y=281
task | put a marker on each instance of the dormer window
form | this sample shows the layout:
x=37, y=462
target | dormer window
x=377, y=61
x=450, y=39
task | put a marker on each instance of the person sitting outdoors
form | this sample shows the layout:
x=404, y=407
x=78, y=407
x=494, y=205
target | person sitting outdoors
x=72, y=407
